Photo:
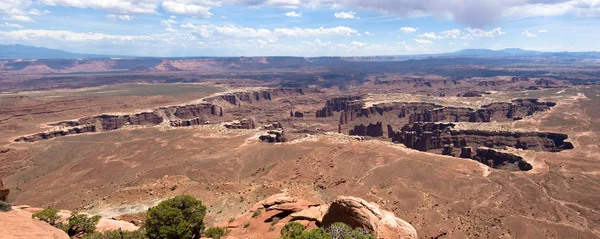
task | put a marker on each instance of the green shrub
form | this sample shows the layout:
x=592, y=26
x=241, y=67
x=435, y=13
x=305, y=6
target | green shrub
x=81, y=224
x=117, y=234
x=246, y=225
x=48, y=215
x=4, y=206
x=340, y=230
x=215, y=232
x=256, y=213
x=271, y=228
x=178, y=217
x=291, y=230
x=318, y=233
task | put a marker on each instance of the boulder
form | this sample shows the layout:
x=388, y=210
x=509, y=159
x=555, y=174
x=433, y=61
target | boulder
x=106, y=224
x=3, y=191
x=315, y=214
x=357, y=212
x=297, y=206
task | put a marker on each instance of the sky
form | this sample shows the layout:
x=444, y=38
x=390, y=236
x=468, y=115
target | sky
x=178, y=28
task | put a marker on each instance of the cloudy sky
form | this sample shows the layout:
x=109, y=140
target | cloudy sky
x=299, y=27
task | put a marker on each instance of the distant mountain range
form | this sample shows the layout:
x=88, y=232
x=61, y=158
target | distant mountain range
x=18, y=51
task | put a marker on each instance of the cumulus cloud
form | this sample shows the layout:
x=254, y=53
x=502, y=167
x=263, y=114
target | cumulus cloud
x=408, y=29
x=124, y=6
x=542, y=31
x=369, y=34
x=480, y=33
x=293, y=14
x=13, y=25
x=38, y=12
x=430, y=35
x=187, y=9
x=423, y=41
x=115, y=17
x=346, y=15
x=20, y=18
x=215, y=31
x=528, y=34
x=452, y=34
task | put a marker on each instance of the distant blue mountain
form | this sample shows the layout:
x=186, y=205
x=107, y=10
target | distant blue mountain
x=18, y=51
x=487, y=52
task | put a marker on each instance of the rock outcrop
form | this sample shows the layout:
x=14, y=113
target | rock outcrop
x=241, y=124
x=357, y=212
x=177, y=116
x=373, y=130
x=17, y=224
x=285, y=208
x=443, y=139
x=273, y=136
x=4, y=191
x=262, y=95
x=428, y=136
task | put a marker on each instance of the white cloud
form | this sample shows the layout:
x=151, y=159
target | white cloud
x=542, y=31
x=187, y=9
x=480, y=33
x=125, y=6
x=20, y=18
x=528, y=34
x=369, y=34
x=452, y=34
x=307, y=32
x=408, y=29
x=168, y=23
x=423, y=41
x=293, y=14
x=430, y=35
x=214, y=31
x=37, y=12
x=13, y=25
x=114, y=17
x=346, y=15
x=170, y=29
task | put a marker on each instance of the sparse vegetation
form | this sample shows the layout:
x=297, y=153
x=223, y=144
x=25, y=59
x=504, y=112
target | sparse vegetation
x=48, y=215
x=271, y=228
x=295, y=230
x=247, y=225
x=256, y=213
x=117, y=234
x=292, y=230
x=215, y=232
x=275, y=220
x=79, y=225
x=178, y=217
x=4, y=206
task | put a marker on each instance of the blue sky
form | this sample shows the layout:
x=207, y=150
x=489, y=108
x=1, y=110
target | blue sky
x=299, y=27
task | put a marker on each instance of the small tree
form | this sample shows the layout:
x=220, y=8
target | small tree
x=291, y=230
x=117, y=234
x=178, y=217
x=215, y=232
x=81, y=224
x=318, y=233
x=340, y=230
x=48, y=215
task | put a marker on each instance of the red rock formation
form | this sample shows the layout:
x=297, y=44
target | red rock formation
x=357, y=212
x=373, y=130
x=19, y=224
x=4, y=191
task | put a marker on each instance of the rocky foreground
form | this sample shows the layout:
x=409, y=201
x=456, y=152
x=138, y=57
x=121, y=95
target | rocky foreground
x=265, y=219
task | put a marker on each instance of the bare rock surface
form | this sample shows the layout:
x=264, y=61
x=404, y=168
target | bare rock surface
x=357, y=212
x=18, y=224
